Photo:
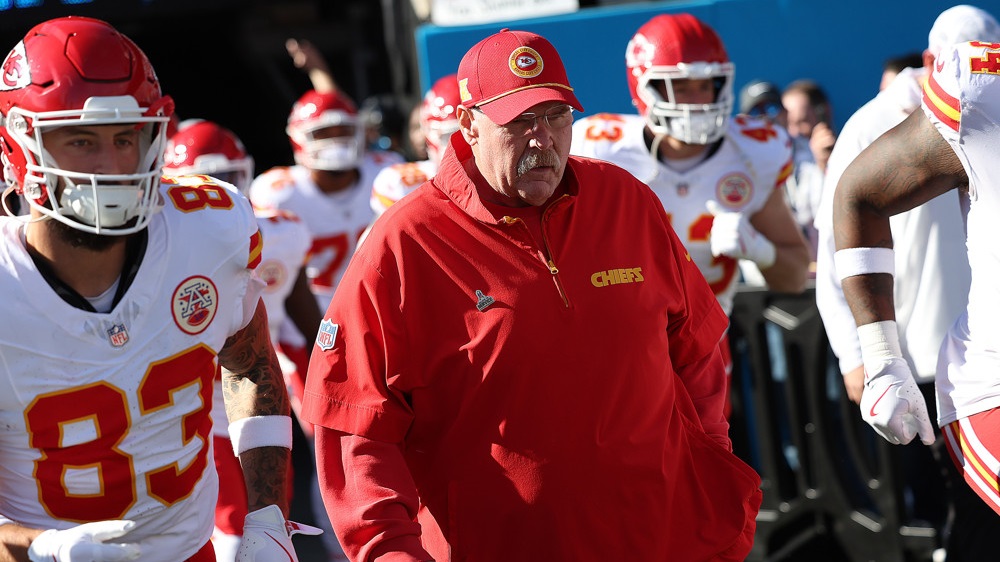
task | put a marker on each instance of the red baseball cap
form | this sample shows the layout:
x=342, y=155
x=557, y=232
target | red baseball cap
x=510, y=71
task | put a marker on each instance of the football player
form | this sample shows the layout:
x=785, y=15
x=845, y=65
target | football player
x=949, y=144
x=718, y=177
x=129, y=292
x=329, y=189
x=438, y=122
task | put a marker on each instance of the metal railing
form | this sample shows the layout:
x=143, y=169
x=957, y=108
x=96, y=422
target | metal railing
x=832, y=488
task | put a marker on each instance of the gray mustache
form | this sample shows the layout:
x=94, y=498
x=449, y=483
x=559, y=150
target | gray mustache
x=536, y=159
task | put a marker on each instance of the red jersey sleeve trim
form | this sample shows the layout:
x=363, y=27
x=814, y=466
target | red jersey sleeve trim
x=944, y=106
x=256, y=247
x=785, y=172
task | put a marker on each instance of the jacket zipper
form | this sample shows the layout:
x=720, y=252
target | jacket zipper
x=546, y=257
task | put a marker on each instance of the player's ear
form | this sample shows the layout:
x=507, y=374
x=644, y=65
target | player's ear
x=467, y=124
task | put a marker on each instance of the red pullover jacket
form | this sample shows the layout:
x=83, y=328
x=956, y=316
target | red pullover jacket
x=522, y=399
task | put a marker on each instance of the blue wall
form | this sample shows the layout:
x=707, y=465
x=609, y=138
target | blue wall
x=839, y=43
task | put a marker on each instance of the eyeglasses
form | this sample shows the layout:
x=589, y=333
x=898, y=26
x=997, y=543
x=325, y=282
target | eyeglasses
x=557, y=117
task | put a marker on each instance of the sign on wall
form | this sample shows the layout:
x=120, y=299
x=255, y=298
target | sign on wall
x=470, y=12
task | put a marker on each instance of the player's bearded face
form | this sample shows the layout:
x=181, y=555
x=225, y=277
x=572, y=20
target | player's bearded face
x=80, y=239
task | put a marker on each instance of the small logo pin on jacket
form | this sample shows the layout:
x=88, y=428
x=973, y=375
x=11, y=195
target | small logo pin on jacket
x=483, y=301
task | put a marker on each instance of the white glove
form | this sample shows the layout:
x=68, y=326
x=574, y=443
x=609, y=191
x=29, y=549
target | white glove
x=891, y=402
x=267, y=537
x=893, y=405
x=733, y=236
x=84, y=543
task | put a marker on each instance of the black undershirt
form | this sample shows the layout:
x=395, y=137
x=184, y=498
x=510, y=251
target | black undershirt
x=135, y=249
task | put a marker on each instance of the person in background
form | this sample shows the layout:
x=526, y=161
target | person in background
x=328, y=188
x=521, y=361
x=385, y=119
x=758, y=97
x=720, y=178
x=932, y=280
x=894, y=65
x=438, y=121
x=808, y=117
x=205, y=148
x=416, y=139
x=128, y=292
x=306, y=57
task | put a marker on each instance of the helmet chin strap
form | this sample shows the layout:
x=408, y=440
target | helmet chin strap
x=25, y=219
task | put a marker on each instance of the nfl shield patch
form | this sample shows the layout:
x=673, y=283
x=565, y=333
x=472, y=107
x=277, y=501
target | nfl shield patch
x=118, y=335
x=327, y=336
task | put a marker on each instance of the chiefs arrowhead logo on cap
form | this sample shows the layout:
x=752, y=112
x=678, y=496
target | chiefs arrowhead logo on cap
x=526, y=62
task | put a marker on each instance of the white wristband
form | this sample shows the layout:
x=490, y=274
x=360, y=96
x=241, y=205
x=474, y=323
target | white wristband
x=879, y=341
x=861, y=261
x=260, y=431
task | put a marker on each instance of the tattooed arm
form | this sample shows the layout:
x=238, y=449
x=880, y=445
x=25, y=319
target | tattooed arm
x=906, y=167
x=253, y=386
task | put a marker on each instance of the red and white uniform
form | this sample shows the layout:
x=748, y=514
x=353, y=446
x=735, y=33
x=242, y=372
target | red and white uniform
x=964, y=105
x=107, y=415
x=286, y=247
x=962, y=99
x=397, y=181
x=752, y=160
x=334, y=221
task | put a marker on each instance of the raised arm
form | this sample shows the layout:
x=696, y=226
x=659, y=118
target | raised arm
x=307, y=57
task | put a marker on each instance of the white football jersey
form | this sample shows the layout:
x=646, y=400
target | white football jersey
x=752, y=160
x=335, y=221
x=106, y=415
x=286, y=246
x=962, y=99
x=399, y=180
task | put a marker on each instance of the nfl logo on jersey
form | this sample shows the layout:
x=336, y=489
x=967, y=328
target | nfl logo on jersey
x=118, y=335
x=327, y=336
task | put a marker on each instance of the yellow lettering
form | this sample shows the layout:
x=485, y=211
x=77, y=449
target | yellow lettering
x=617, y=276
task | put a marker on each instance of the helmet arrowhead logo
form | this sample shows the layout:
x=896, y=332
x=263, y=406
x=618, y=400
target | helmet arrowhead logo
x=16, y=72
